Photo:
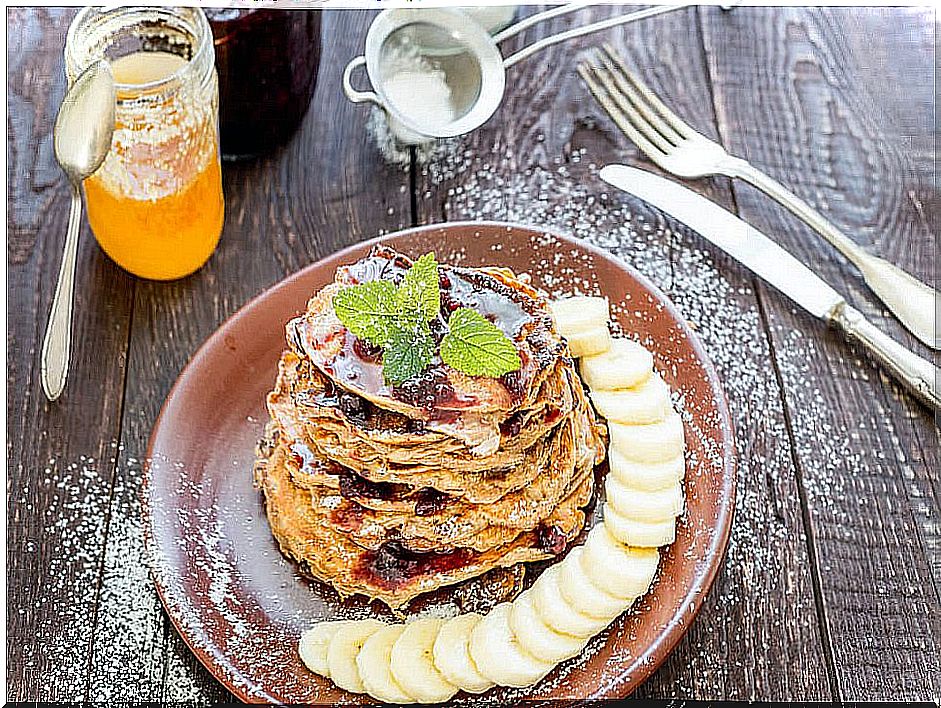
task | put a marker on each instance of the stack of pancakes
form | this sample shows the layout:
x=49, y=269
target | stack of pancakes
x=393, y=491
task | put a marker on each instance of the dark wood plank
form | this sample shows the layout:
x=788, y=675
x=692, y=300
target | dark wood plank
x=837, y=104
x=59, y=456
x=839, y=487
x=757, y=636
x=324, y=190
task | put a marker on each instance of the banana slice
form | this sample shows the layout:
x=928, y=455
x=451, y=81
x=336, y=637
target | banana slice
x=590, y=342
x=578, y=591
x=577, y=314
x=452, y=654
x=654, y=442
x=619, y=570
x=559, y=614
x=626, y=364
x=650, y=507
x=498, y=654
x=642, y=534
x=313, y=645
x=373, y=662
x=536, y=637
x=645, y=476
x=646, y=403
x=343, y=649
x=412, y=662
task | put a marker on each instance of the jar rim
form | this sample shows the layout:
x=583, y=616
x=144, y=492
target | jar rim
x=202, y=40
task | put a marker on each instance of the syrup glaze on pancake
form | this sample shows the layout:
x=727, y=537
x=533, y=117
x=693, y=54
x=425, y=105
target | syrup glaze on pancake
x=448, y=400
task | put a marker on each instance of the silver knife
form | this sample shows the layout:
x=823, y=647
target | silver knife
x=771, y=262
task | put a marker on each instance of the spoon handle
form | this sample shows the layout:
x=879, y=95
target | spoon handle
x=57, y=344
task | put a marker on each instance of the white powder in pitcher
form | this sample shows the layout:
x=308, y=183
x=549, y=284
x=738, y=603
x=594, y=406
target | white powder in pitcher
x=416, y=86
x=422, y=94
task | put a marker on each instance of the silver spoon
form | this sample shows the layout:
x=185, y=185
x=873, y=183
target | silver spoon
x=82, y=139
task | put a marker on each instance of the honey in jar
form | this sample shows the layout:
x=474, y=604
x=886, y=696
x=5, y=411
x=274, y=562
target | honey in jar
x=155, y=205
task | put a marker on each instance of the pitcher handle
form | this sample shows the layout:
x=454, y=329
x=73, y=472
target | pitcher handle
x=351, y=93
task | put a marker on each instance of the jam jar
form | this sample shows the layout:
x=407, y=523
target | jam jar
x=267, y=61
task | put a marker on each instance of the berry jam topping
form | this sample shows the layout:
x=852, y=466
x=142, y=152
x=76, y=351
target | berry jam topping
x=513, y=382
x=430, y=501
x=511, y=427
x=365, y=350
x=550, y=539
x=393, y=565
x=348, y=517
x=428, y=390
x=354, y=487
x=353, y=407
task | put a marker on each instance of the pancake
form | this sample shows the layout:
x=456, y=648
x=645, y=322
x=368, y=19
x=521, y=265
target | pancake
x=394, y=491
x=420, y=523
x=391, y=574
x=380, y=447
x=469, y=408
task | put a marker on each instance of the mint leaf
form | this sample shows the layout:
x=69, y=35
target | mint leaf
x=407, y=355
x=369, y=311
x=420, y=290
x=477, y=347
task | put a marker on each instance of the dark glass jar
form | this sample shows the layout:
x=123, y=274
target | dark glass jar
x=267, y=62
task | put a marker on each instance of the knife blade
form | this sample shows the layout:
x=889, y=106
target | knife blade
x=768, y=260
x=723, y=228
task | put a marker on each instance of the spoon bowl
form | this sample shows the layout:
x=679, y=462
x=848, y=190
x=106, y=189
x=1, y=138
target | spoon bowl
x=85, y=122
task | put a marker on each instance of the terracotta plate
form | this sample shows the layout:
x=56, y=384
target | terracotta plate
x=241, y=606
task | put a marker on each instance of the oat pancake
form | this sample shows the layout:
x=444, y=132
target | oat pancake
x=392, y=574
x=393, y=491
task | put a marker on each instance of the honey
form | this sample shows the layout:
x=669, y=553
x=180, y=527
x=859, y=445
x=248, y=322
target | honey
x=163, y=238
x=156, y=205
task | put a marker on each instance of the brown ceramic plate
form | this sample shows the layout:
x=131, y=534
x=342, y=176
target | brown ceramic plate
x=241, y=606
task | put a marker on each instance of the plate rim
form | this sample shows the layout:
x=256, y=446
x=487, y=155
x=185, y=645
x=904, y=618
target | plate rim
x=702, y=582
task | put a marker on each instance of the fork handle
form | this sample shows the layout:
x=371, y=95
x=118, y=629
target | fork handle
x=912, y=301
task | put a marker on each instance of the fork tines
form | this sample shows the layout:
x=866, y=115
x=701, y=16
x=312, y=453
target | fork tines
x=643, y=117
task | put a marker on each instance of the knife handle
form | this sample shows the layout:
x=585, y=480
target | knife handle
x=919, y=375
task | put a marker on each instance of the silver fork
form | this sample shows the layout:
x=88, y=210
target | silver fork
x=677, y=148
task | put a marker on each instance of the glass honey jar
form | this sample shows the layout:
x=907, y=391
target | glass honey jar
x=155, y=205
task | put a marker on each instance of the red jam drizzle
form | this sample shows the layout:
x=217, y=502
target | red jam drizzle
x=348, y=517
x=429, y=501
x=393, y=566
x=550, y=539
x=354, y=487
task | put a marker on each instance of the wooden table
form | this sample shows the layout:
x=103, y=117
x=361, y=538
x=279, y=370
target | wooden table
x=831, y=588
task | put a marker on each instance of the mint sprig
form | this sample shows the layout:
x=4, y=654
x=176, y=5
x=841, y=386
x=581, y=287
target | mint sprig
x=477, y=347
x=369, y=311
x=396, y=319
x=420, y=288
x=407, y=355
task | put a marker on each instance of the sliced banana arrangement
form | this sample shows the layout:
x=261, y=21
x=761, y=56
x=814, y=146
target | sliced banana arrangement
x=517, y=643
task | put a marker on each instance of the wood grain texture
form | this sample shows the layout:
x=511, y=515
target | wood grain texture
x=825, y=107
x=758, y=635
x=833, y=584
x=59, y=457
